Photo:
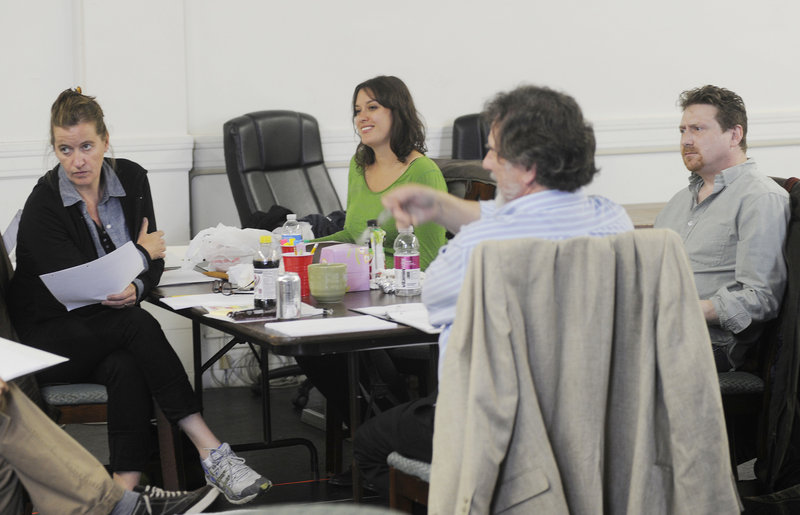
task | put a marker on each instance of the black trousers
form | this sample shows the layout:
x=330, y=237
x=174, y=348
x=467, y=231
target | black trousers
x=377, y=373
x=407, y=429
x=125, y=350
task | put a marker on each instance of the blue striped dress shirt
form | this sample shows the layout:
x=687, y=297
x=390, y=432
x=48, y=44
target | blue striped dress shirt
x=550, y=214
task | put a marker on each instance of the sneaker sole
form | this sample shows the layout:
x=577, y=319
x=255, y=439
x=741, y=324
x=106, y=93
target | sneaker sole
x=204, y=502
x=241, y=500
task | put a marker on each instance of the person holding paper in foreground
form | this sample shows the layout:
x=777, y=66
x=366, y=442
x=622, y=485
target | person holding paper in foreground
x=540, y=151
x=62, y=477
x=85, y=208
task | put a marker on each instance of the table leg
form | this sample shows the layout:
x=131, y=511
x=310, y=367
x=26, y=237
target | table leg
x=197, y=357
x=355, y=416
x=333, y=439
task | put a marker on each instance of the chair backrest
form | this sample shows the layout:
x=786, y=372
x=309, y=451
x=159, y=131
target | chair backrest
x=467, y=179
x=573, y=366
x=778, y=464
x=469, y=137
x=275, y=158
x=6, y=271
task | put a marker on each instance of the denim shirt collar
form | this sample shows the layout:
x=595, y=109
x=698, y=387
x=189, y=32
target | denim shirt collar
x=722, y=179
x=109, y=183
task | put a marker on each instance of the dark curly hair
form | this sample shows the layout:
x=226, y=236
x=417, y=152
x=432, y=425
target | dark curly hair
x=536, y=125
x=73, y=107
x=408, y=133
x=730, y=107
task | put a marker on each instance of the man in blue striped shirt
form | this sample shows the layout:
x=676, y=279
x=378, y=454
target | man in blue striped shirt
x=540, y=152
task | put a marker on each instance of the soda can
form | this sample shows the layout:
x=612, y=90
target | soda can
x=288, y=295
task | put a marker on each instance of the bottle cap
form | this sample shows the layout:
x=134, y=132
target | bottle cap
x=372, y=223
x=266, y=239
x=291, y=216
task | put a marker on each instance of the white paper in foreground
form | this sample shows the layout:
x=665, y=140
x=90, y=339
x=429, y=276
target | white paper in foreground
x=319, y=326
x=92, y=282
x=17, y=359
x=413, y=314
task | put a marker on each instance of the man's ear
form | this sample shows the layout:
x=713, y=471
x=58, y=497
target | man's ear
x=737, y=133
x=531, y=178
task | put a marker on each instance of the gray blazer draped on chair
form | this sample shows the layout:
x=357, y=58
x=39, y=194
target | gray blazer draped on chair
x=579, y=379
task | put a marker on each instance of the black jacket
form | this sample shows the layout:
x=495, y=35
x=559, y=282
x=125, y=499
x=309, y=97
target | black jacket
x=53, y=237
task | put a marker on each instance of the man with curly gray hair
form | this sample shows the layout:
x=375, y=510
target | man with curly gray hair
x=541, y=152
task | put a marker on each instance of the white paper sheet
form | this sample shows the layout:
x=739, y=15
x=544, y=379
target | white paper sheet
x=92, y=282
x=413, y=314
x=208, y=300
x=17, y=359
x=172, y=277
x=319, y=326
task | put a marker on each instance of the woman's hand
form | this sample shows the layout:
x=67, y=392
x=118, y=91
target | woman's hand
x=152, y=242
x=124, y=299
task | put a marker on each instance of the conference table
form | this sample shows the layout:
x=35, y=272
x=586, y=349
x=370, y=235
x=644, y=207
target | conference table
x=259, y=334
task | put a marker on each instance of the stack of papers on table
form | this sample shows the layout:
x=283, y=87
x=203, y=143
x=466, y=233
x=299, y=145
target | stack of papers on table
x=181, y=276
x=413, y=314
x=210, y=300
x=17, y=360
x=320, y=326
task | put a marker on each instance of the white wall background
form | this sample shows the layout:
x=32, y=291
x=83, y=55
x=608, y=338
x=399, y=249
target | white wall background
x=169, y=73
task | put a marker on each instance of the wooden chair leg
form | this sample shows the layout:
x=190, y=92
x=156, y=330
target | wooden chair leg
x=397, y=501
x=170, y=453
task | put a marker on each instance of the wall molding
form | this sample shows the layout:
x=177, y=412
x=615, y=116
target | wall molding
x=25, y=159
x=173, y=153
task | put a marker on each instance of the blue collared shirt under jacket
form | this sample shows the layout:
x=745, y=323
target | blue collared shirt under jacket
x=550, y=214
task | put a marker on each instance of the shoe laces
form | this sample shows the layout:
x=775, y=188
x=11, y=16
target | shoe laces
x=155, y=493
x=232, y=463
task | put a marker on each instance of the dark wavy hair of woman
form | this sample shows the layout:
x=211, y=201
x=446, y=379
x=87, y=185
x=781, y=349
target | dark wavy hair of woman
x=408, y=133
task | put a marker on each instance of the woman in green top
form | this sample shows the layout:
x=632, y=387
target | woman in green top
x=391, y=153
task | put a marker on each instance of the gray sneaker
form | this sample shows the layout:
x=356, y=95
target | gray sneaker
x=237, y=481
x=155, y=501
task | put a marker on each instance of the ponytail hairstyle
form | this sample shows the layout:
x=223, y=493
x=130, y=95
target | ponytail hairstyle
x=73, y=107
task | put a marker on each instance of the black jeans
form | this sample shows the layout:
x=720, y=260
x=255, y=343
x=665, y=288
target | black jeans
x=407, y=429
x=125, y=350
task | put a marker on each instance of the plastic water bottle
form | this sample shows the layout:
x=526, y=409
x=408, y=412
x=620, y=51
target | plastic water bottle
x=377, y=257
x=406, y=263
x=291, y=233
x=265, y=273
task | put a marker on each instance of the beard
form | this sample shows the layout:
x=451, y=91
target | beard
x=694, y=162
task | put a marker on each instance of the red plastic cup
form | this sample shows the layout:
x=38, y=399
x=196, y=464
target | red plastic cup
x=299, y=265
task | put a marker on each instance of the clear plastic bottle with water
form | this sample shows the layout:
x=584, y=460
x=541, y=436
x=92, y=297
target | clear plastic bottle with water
x=406, y=263
x=291, y=232
x=265, y=273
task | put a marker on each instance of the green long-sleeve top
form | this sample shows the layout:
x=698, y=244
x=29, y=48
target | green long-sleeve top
x=364, y=204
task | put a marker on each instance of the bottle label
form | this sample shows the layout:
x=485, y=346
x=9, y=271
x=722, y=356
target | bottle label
x=406, y=262
x=264, y=283
x=406, y=273
x=290, y=240
x=406, y=279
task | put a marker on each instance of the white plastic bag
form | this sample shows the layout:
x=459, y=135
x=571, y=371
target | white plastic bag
x=224, y=246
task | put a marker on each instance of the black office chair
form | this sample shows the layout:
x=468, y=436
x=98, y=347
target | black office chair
x=275, y=158
x=470, y=133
